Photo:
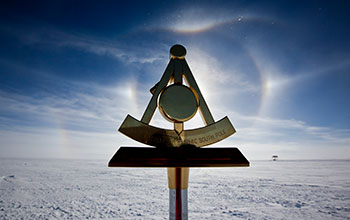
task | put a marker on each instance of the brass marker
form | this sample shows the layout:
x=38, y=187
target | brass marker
x=177, y=149
x=177, y=103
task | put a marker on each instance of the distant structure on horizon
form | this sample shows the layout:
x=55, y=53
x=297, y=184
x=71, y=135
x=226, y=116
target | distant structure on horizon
x=274, y=157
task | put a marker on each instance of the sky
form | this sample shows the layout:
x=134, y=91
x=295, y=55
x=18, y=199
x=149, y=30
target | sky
x=71, y=71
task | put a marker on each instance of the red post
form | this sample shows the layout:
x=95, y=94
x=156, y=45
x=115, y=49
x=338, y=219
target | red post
x=178, y=194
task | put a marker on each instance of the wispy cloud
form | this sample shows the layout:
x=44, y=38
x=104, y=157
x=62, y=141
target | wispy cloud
x=114, y=49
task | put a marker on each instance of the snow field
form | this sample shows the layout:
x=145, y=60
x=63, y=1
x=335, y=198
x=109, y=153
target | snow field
x=87, y=189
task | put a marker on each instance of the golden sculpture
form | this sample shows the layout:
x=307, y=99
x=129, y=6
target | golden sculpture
x=177, y=103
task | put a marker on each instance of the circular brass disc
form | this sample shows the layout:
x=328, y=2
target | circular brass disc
x=178, y=103
x=177, y=51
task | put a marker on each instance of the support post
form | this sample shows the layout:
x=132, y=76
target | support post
x=178, y=185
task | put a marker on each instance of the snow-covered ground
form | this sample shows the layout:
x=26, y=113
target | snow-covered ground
x=86, y=189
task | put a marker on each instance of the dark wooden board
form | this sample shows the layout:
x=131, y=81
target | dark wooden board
x=178, y=157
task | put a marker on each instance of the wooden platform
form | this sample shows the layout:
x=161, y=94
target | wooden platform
x=178, y=157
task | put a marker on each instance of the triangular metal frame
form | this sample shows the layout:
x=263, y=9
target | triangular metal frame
x=176, y=69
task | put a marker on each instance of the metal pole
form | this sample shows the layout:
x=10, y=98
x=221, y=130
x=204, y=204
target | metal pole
x=178, y=184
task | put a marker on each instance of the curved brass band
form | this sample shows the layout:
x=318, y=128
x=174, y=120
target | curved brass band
x=159, y=137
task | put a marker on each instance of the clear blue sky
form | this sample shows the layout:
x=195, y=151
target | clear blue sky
x=70, y=71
